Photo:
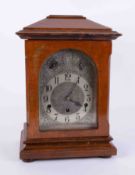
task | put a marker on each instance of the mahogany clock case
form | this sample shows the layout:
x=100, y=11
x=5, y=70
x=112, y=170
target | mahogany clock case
x=41, y=42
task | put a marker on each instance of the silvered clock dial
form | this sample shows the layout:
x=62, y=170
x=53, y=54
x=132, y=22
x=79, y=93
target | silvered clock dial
x=67, y=92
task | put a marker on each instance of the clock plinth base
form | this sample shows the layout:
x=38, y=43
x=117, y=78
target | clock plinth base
x=90, y=147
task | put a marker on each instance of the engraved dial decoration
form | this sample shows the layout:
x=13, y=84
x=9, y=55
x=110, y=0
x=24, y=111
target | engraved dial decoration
x=67, y=91
x=67, y=98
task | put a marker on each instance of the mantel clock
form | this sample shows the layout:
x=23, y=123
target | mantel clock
x=67, y=86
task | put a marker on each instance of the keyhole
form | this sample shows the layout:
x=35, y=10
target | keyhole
x=85, y=105
x=67, y=110
x=49, y=108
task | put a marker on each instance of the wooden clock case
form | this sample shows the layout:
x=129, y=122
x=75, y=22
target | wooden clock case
x=42, y=39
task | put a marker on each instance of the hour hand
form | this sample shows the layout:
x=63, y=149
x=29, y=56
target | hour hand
x=75, y=102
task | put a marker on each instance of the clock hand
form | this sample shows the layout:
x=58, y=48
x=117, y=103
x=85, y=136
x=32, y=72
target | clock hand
x=71, y=91
x=75, y=102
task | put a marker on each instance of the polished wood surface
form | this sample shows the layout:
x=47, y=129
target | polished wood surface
x=37, y=51
x=67, y=22
x=36, y=144
x=67, y=27
x=74, y=148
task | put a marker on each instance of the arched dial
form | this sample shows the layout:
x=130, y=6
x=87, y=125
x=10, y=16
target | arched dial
x=67, y=98
x=67, y=91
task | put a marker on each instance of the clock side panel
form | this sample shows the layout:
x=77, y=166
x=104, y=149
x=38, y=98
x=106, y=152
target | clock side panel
x=36, y=53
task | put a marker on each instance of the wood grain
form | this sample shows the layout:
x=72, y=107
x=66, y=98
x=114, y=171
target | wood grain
x=36, y=144
x=92, y=147
x=69, y=27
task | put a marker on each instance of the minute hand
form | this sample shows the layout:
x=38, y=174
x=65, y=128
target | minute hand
x=71, y=91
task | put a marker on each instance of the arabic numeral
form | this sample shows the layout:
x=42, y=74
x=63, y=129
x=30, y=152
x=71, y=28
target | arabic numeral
x=88, y=98
x=48, y=88
x=67, y=119
x=56, y=80
x=86, y=86
x=77, y=116
x=56, y=116
x=68, y=76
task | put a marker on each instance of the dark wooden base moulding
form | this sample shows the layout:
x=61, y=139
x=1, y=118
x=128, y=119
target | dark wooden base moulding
x=71, y=148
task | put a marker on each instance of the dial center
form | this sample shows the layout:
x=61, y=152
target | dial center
x=65, y=103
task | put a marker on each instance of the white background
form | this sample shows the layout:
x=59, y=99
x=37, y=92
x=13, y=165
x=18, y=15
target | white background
x=118, y=14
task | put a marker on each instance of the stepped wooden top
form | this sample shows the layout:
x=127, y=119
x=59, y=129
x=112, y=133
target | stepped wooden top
x=62, y=27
